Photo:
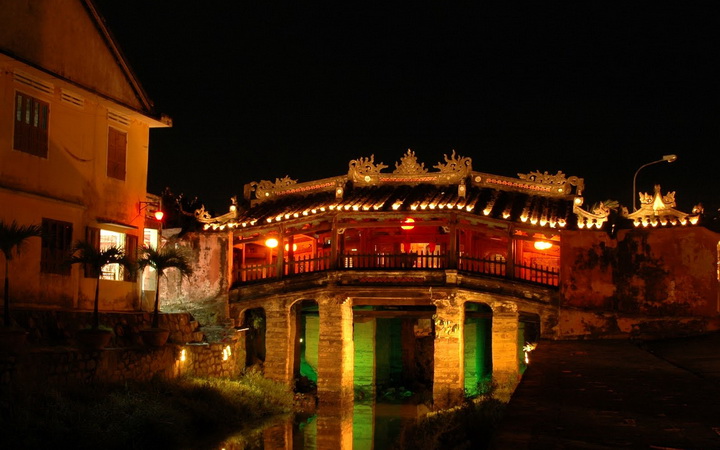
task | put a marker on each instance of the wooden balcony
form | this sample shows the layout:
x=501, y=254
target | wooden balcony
x=496, y=267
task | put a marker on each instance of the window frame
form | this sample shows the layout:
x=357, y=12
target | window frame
x=55, y=246
x=116, y=167
x=31, y=124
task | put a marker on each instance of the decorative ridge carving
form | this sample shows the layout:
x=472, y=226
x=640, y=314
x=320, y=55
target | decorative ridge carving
x=657, y=209
x=364, y=170
x=455, y=164
x=596, y=218
x=558, y=180
x=202, y=216
x=265, y=189
x=408, y=165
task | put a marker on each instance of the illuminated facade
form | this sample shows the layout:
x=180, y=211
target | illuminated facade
x=74, y=133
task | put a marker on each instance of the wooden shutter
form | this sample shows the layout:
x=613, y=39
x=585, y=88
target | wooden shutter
x=32, y=118
x=117, y=149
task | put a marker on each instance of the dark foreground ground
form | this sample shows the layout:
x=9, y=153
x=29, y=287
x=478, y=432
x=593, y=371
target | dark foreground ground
x=662, y=394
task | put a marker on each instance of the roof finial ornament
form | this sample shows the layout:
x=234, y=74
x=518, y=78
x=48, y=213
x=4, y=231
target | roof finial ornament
x=408, y=165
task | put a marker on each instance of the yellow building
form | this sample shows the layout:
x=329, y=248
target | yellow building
x=74, y=135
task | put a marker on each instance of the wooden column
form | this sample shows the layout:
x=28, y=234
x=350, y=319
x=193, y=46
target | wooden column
x=335, y=351
x=510, y=260
x=334, y=244
x=448, y=375
x=452, y=250
x=279, y=348
x=506, y=364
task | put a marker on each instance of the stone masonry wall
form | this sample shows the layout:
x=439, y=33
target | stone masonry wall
x=62, y=365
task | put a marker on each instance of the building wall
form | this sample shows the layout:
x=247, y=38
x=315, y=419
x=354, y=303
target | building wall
x=56, y=52
x=639, y=279
x=70, y=185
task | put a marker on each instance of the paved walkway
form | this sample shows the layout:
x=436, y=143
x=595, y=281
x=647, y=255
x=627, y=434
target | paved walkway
x=617, y=394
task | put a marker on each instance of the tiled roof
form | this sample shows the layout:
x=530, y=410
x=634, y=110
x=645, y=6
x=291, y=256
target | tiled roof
x=513, y=206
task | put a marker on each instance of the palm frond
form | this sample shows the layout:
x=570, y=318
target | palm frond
x=94, y=259
x=165, y=258
x=14, y=237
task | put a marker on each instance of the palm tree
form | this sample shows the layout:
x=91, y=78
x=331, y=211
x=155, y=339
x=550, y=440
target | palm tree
x=13, y=237
x=161, y=259
x=94, y=259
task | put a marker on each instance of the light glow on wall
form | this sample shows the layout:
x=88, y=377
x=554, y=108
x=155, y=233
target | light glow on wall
x=542, y=245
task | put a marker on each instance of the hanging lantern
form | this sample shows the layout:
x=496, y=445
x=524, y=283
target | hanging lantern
x=408, y=224
x=271, y=243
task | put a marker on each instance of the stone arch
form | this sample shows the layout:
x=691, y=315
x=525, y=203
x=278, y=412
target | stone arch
x=254, y=322
x=477, y=347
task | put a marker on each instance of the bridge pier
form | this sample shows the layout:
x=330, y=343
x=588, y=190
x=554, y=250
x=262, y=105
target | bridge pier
x=505, y=351
x=448, y=373
x=335, y=351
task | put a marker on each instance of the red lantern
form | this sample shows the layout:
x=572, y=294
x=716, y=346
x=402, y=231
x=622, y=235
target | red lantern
x=409, y=221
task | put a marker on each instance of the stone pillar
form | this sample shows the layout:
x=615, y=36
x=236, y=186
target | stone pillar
x=448, y=376
x=364, y=364
x=335, y=351
x=279, y=333
x=506, y=366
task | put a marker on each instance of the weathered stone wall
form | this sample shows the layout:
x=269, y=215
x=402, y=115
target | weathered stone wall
x=57, y=327
x=637, y=280
x=61, y=365
x=205, y=292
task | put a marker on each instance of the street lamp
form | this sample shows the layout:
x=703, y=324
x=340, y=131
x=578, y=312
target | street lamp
x=668, y=158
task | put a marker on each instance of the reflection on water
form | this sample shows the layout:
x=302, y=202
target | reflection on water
x=366, y=425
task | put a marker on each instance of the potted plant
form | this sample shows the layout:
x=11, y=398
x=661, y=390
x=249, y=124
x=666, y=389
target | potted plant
x=12, y=238
x=93, y=260
x=161, y=259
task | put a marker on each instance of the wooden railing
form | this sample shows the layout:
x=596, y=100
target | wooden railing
x=497, y=267
x=304, y=264
x=494, y=266
x=548, y=276
x=419, y=260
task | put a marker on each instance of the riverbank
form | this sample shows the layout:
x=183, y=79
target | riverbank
x=178, y=414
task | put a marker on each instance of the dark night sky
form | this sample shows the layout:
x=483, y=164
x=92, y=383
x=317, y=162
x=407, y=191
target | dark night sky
x=259, y=91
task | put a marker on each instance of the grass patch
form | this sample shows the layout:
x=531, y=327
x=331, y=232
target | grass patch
x=179, y=414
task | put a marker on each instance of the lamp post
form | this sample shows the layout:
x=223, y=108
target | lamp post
x=668, y=158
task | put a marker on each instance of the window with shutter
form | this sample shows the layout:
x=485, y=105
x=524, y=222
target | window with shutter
x=56, y=246
x=31, y=125
x=116, y=156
